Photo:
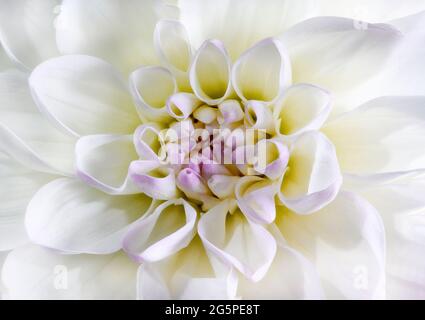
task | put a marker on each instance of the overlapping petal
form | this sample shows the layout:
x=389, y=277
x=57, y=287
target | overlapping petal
x=69, y=216
x=27, y=30
x=84, y=95
x=237, y=241
x=345, y=241
x=313, y=178
x=32, y=272
x=383, y=135
x=118, y=32
x=25, y=134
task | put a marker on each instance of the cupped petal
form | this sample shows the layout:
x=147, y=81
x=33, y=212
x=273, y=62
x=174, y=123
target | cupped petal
x=170, y=228
x=398, y=196
x=272, y=158
x=255, y=198
x=148, y=141
x=304, y=107
x=346, y=243
x=26, y=135
x=332, y=53
x=27, y=30
x=151, y=87
x=210, y=73
x=262, y=72
x=153, y=179
x=71, y=217
x=188, y=274
x=120, y=33
x=291, y=276
x=230, y=111
x=313, y=178
x=259, y=116
x=18, y=185
x=84, y=95
x=103, y=162
x=5, y=62
x=181, y=105
x=174, y=50
x=237, y=241
x=32, y=272
x=385, y=134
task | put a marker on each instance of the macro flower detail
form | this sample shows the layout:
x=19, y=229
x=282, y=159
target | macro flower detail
x=157, y=155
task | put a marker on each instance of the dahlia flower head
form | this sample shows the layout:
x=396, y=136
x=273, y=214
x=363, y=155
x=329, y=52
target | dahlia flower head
x=212, y=149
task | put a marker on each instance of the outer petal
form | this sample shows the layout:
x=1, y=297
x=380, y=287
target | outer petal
x=84, y=95
x=399, y=198
x=332, y=53
x=376, y=11
x=345, y=241
x=103, y=162
x=291, y=276
x=304, y=107
x=167, y=230
x=189, y=274
x=5, y=62
x=25, y=134
x=262, y=72
x=32, y=272
x=385, y=134
x=313, y=178
x=119, y=32
x=18, y=184
x=69, y=216
x=237, y=242
x=27, y=30
x=240, y=24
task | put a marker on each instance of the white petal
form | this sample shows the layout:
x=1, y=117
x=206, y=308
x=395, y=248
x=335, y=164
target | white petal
x=174, y=50
x=71, y=217
x=153, y=179
x=27, y=30
x=151, y=87
x=399, y=199
x=237, y=241
x=376, y=11
x=210, y=73
x=291, y=276
x=385, y=134
x=262, y=72
x=255, y=198
x=189, y=274
x=181, y=105
x=84, y=95
x=259, y=116
x=25, y=134
x=18, y=185
x=103, y=161
x=167, y=230
x=120, y=33
x=304, y=107
x=5, y=62
x=273, y=157
x=239, y=24
x=346, y=243
x=32, y=272
x=313, y=178
x=332, y=53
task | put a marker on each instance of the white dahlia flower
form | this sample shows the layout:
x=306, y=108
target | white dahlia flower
x=212, y=149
